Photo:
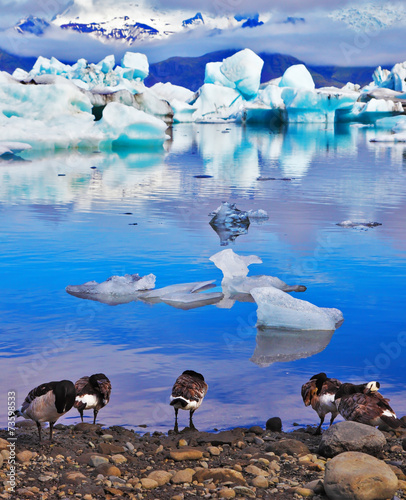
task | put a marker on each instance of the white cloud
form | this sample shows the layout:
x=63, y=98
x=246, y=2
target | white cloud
x=320, y=40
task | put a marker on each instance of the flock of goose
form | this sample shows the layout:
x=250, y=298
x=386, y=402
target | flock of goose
x=360, y=403
x=49, y=401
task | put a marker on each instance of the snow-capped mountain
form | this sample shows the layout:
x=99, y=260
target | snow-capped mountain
x=33, y=25
x=134, y=21
x=131, y=21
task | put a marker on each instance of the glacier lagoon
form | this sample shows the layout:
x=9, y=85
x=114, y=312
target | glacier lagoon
x=70, y=217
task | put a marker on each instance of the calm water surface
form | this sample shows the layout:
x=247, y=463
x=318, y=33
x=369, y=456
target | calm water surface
x=59, y=230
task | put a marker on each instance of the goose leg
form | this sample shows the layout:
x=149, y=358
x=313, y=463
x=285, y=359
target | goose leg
x=333, y=416
x=51, y=428
x=191, y=424
x=81, y=413
x=95, y=412
x=318, y=430
x=39, y=431
x=176, y=429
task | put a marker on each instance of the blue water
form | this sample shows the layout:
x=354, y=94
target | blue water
x=58, y=230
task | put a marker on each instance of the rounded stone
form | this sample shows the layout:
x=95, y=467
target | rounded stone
x=160, y=476
x=226, y=493
x=351, y=436
x=118, y=459
x=260, y=482
x=149, y=484
x=108, y=469
x=358, y=476
x=24, y=456
x=183, y=476
x=214, y=451
x=274, y=424
x=186, y=454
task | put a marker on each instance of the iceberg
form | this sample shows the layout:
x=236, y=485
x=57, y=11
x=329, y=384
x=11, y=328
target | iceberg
x=214, y=75
x=137, y=62
x=277, y=309
x=280, y=346
x=13, y=147
x=129, y=284
x=297, y=77
x=244, y=70
x=123, y=125
x=26, y=116
x=217, y=103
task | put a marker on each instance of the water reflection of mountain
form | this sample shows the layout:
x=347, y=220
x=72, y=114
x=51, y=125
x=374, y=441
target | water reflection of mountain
x=276, y=345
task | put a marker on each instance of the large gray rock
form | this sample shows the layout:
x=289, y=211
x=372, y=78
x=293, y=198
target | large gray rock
x=351, y=436
x=358, y=476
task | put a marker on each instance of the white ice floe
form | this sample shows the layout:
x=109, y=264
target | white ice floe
x=129, y=284
x=278, y=309
x=184, y=295
x=235, y=270
x=233, y=265
x=180, y=288
x=188, y=301
x=350, y=223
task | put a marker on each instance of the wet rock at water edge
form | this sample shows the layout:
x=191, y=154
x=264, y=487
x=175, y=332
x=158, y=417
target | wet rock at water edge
x=274, y=424
x=351, y=436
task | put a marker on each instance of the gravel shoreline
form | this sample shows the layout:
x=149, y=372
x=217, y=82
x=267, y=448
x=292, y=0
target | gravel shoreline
x=86, y=461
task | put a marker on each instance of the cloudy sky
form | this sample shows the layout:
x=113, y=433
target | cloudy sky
x=370, y=37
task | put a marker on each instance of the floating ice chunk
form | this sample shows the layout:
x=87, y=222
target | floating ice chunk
x=271, y=95
x=244, y=70
x=233, y=265
x=257, y=214
x=138, y=62
x=13, y=147
x=170, y=92
x=245, y=285
x=275, y=345
x=106, y=64
x=181, y=288
x=297, y=77
x=228, y=213
x=214, y=75
x=129, y=284
x=350, y=223
x=183, y=112
x=277, y=309
x=215, y=102
x=124, y=125
x=370, y=111
x=188, y=301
